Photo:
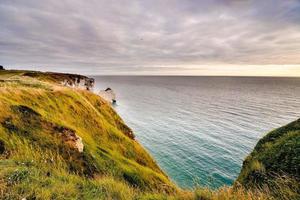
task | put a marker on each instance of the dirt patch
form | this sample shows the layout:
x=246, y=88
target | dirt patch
x=69, y=137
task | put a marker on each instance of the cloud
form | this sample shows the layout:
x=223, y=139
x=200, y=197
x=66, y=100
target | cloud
x=134, y=35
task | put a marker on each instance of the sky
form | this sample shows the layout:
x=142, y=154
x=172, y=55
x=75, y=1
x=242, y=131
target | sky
x=152, y=37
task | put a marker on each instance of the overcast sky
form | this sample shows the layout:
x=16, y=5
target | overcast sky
x=195, y=37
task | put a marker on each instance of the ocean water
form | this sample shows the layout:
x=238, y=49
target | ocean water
x=200, y=129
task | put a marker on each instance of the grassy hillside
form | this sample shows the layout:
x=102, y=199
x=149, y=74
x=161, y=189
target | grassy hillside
x=35, y=114
x=275, y=159
x=43, y=127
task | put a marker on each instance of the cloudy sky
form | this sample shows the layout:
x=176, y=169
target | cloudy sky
x=192, y=37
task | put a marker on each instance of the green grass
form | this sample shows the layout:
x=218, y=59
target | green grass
x=278, y=153
x=275, y=160
x=35, y=163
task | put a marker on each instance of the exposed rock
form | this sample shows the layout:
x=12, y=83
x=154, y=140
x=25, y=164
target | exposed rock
x=69, y=80
x=130, y=134
x=1, y=67
x=68, y=83
x=79, y=144
x=79, y=82
x=108, y=94
x=69, y=137
x=89, y=83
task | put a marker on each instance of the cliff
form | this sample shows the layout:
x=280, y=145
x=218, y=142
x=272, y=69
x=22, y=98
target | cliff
x=61, y=141
x=58, y=139
x=275, y=158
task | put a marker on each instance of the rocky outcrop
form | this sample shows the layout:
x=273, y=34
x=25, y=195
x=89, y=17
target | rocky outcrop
x=108, y=94
x=89, y=83
x=45, y=124
x=79, y=82
x=1, y=67
x=69, y=80
x=70, y=138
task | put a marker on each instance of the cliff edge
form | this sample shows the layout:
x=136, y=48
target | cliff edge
x=67, y=142
x=275, y=161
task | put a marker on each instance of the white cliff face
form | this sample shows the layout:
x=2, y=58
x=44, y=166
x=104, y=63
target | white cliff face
x=108, y=94
x=82, y=83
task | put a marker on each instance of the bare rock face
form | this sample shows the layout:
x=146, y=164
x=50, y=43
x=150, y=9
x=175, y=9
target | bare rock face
x=108, y=94
x=79, y=82
x=69, y=137
x=78, y=143
x=89, y=83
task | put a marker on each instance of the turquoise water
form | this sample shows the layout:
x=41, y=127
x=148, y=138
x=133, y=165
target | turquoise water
x=200, y=129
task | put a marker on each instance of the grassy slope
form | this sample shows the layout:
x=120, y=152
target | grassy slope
x=32, y=112
x=276, y=158
x=35, y=163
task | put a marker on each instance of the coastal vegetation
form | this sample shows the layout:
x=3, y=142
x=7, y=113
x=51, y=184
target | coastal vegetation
x=59, y=142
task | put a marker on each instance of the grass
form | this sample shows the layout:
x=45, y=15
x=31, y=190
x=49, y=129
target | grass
x=35, y=163
x=275, y=155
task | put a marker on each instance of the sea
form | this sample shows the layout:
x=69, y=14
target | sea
x=200, y=129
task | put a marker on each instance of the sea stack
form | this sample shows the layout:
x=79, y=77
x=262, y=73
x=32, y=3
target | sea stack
x=109, y=95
